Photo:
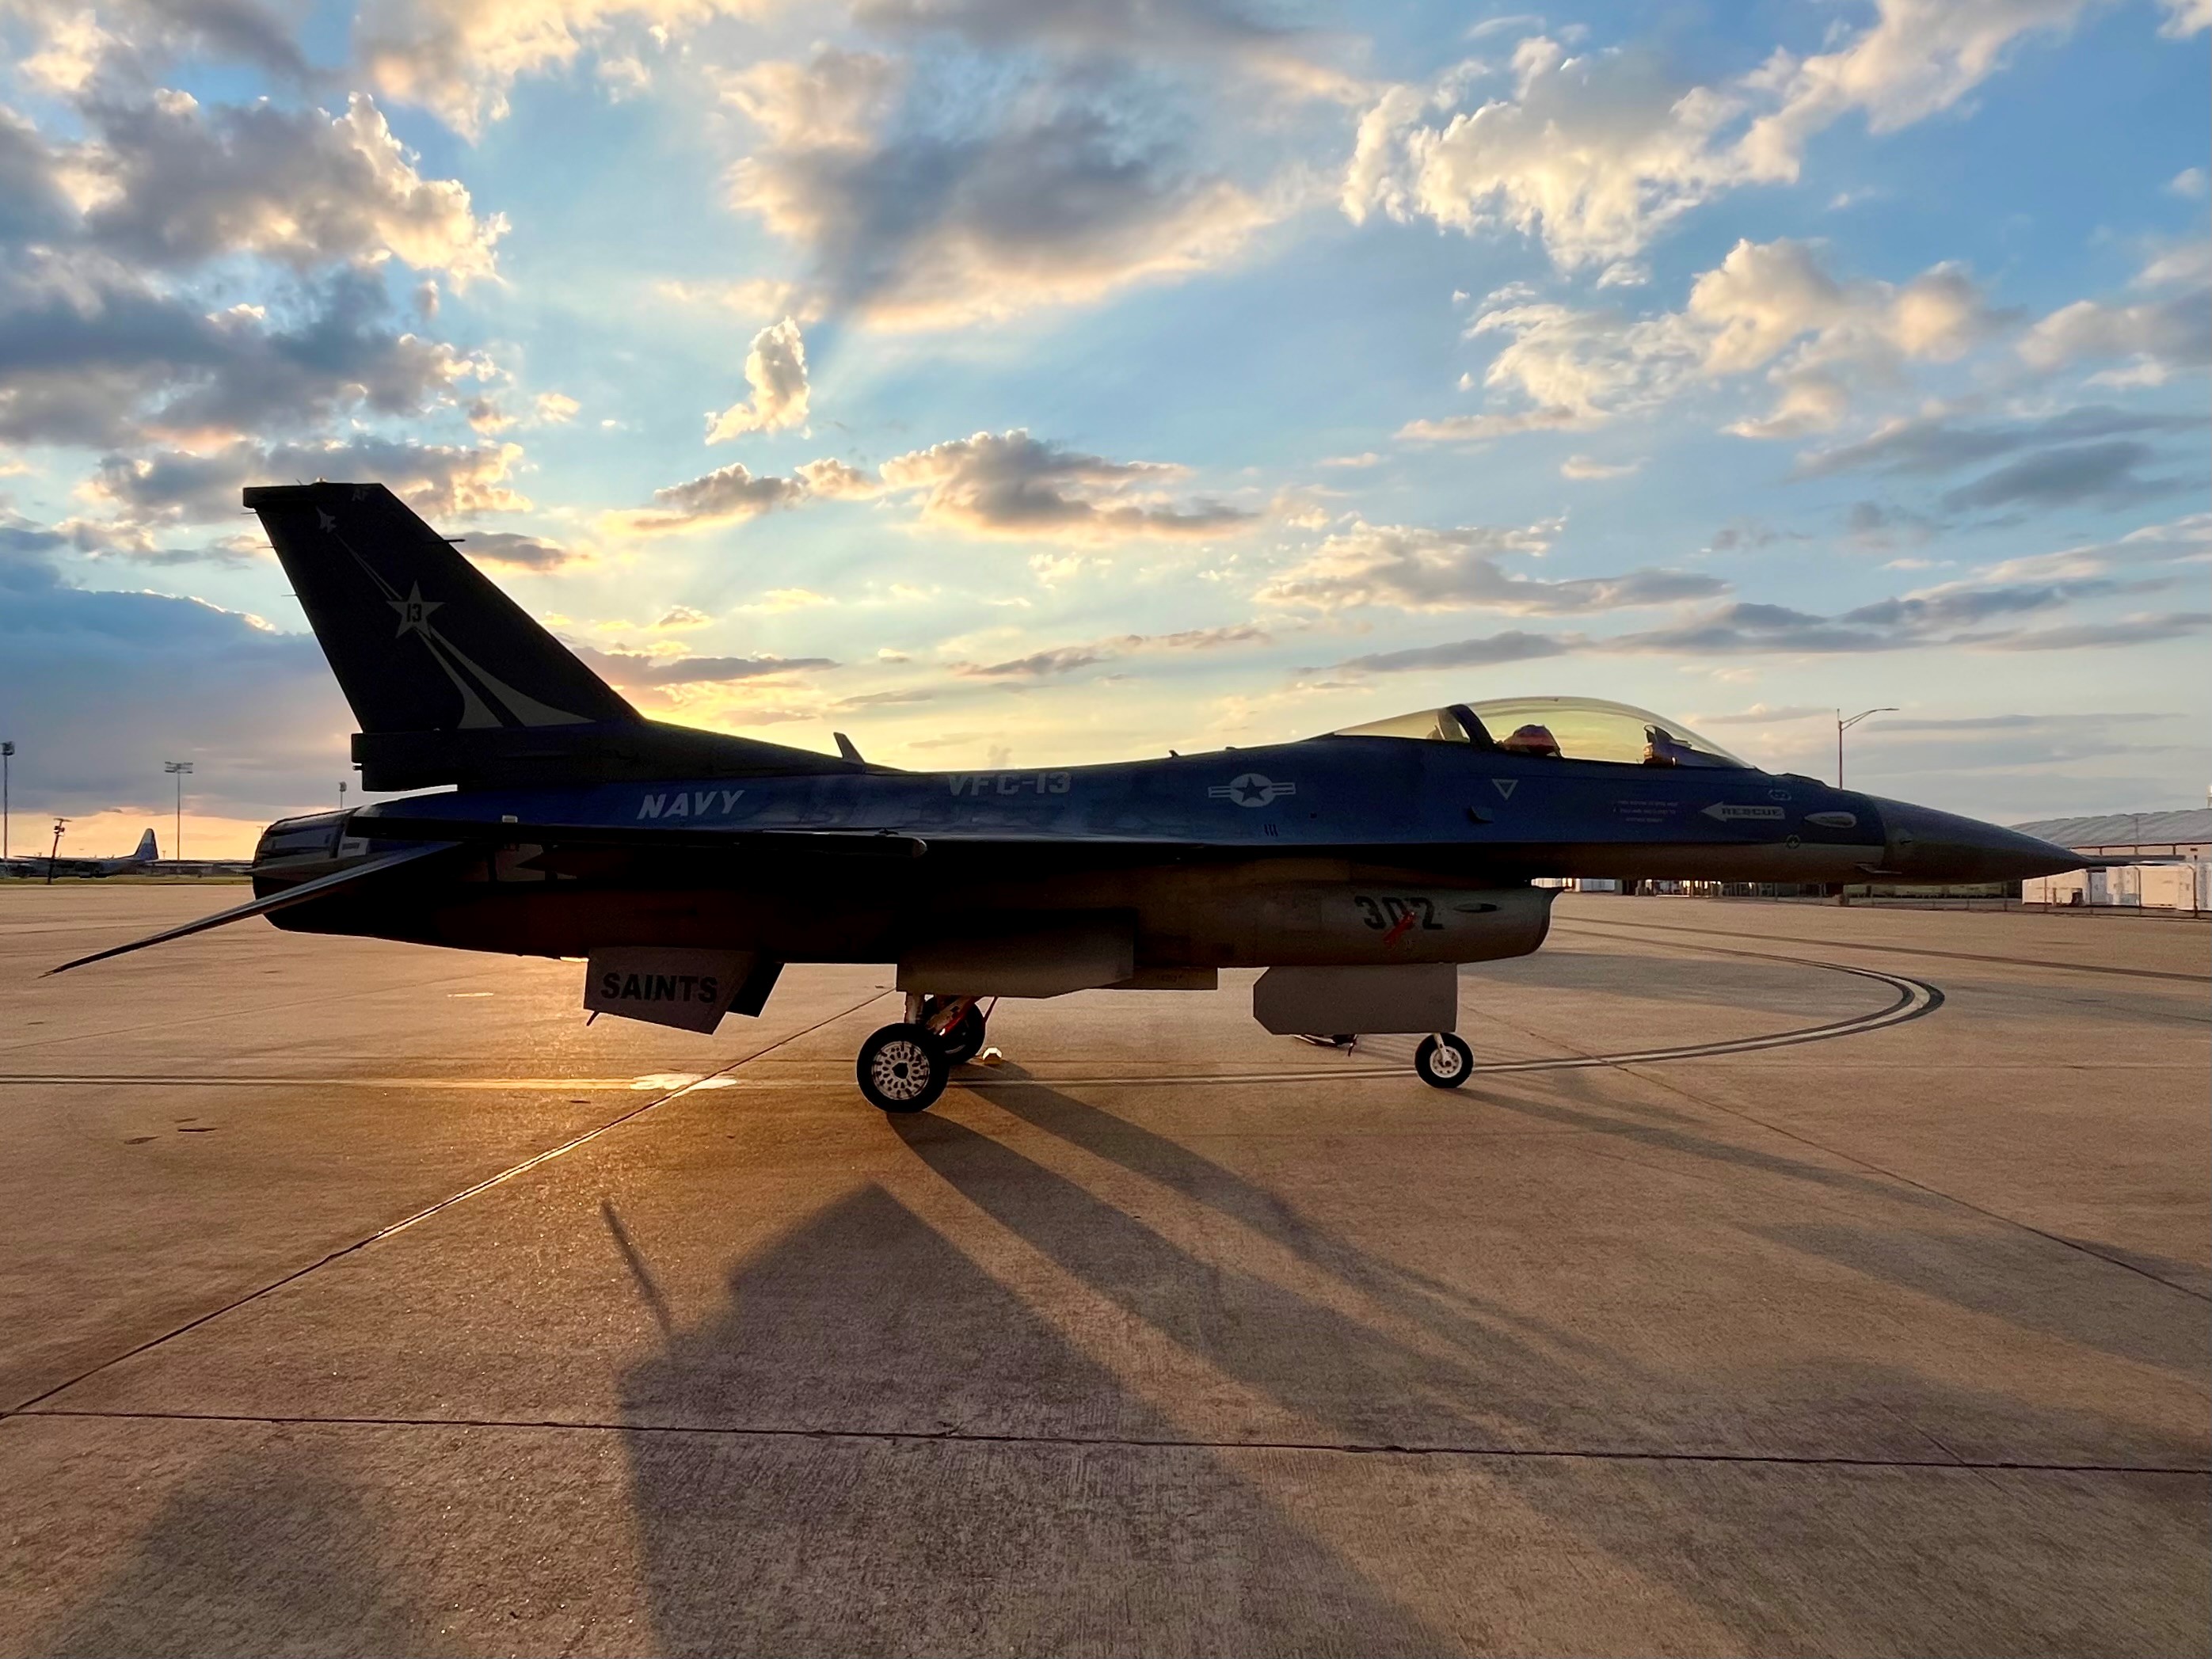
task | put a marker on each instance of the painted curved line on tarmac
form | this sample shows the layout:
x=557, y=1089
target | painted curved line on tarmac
x=1915, y=999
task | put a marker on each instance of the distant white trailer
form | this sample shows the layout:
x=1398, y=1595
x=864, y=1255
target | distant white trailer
x=2154, y=886
x=2176, y=887
x=2071, y=887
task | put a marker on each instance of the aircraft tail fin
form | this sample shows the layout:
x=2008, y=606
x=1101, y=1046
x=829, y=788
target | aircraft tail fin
x=147, y=850
x=420, y=639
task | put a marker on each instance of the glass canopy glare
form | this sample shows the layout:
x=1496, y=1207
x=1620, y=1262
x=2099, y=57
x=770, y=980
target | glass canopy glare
x=1559, y=728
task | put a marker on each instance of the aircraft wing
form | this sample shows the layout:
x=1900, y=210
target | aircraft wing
x=507, y=832
x=823, y=842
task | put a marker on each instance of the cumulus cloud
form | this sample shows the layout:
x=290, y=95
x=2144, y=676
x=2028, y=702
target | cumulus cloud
x=2166, y=332
x=775, y=369
x=1010, y=484
x=2106, y=474
x=1591, y=154
x=76, y=43
x=1511, y=645
x=729, y=495
x=1413, y=568
x=174, y=183
x=1176, y=34
x=834, y=480
x=1067, y=658
x=733, y=494
x=461, y=58
x=505, y=549
x=92, y=354
x=1055, y=198
x=2093, y=454
x=2147, y=628
x=103, y=340
x=102, y=686
x=146, y=498
x=1595, y=152
x=1481, y=428
x=1984, y=614
x=2185, y=540
x=1060, y=659
x=1821, y=342
x=633, y=669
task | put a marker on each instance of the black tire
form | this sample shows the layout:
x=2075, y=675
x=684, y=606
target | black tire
x=1444, y=1061
x=903, y=1068
x=965, y=1040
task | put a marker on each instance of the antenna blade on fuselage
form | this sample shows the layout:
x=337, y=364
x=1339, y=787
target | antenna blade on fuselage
x=321, y=887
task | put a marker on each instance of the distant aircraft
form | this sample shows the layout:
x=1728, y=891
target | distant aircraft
x=140, y=858
x=1358, y=868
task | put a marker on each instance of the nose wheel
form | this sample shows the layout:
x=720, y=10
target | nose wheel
x=1443, y=1061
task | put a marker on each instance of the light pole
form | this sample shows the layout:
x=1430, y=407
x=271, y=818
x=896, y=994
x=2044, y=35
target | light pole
x=1843, y=726
x=180, y=770
x=6, y=754
x=54, y=857
x=342, y=789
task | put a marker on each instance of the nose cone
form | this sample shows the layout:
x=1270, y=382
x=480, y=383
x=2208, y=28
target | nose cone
x=1941, y=846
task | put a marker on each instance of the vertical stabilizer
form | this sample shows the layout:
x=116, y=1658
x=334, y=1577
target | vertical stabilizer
x=147, y=851
x=421, y=641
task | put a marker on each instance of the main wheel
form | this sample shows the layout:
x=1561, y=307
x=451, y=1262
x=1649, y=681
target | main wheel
x=903, y=1068
x=965, y=1040
x=1444, y=1061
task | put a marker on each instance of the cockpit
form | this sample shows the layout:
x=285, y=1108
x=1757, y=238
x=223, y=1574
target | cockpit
x=1556, y=728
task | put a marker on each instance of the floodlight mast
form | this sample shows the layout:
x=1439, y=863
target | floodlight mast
x=180, y=770
x=6, y=754
x=1843, y=726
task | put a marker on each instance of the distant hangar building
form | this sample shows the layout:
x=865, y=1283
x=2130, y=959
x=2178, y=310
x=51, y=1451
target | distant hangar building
x=2181, y=842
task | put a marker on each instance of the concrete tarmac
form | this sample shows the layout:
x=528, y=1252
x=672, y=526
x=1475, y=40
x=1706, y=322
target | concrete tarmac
x=1789, y=1280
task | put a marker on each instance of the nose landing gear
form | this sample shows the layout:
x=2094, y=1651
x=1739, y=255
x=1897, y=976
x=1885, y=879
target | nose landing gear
x=1443, y=1061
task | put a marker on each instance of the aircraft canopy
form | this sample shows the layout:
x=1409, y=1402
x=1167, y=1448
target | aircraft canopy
x=1564, y=728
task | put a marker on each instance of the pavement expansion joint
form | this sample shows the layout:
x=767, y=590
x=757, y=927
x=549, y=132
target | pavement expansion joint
x=1897, y=1013
x=1139, y=1443
x=535, y=1161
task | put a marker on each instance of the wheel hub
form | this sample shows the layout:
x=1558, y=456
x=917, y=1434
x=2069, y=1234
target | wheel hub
x=901, y=1070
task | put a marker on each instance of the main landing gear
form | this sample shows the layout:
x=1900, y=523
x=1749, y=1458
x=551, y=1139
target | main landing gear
x=904, y=1067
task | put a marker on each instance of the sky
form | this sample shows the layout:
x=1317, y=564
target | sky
x=1014, y=382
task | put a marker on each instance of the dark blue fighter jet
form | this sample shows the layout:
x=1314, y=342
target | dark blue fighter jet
x=686, y=868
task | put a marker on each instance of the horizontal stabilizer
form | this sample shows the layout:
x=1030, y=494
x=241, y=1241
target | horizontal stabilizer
x=321, y=887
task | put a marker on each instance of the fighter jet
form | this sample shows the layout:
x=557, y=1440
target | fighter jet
x=1359, y=867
